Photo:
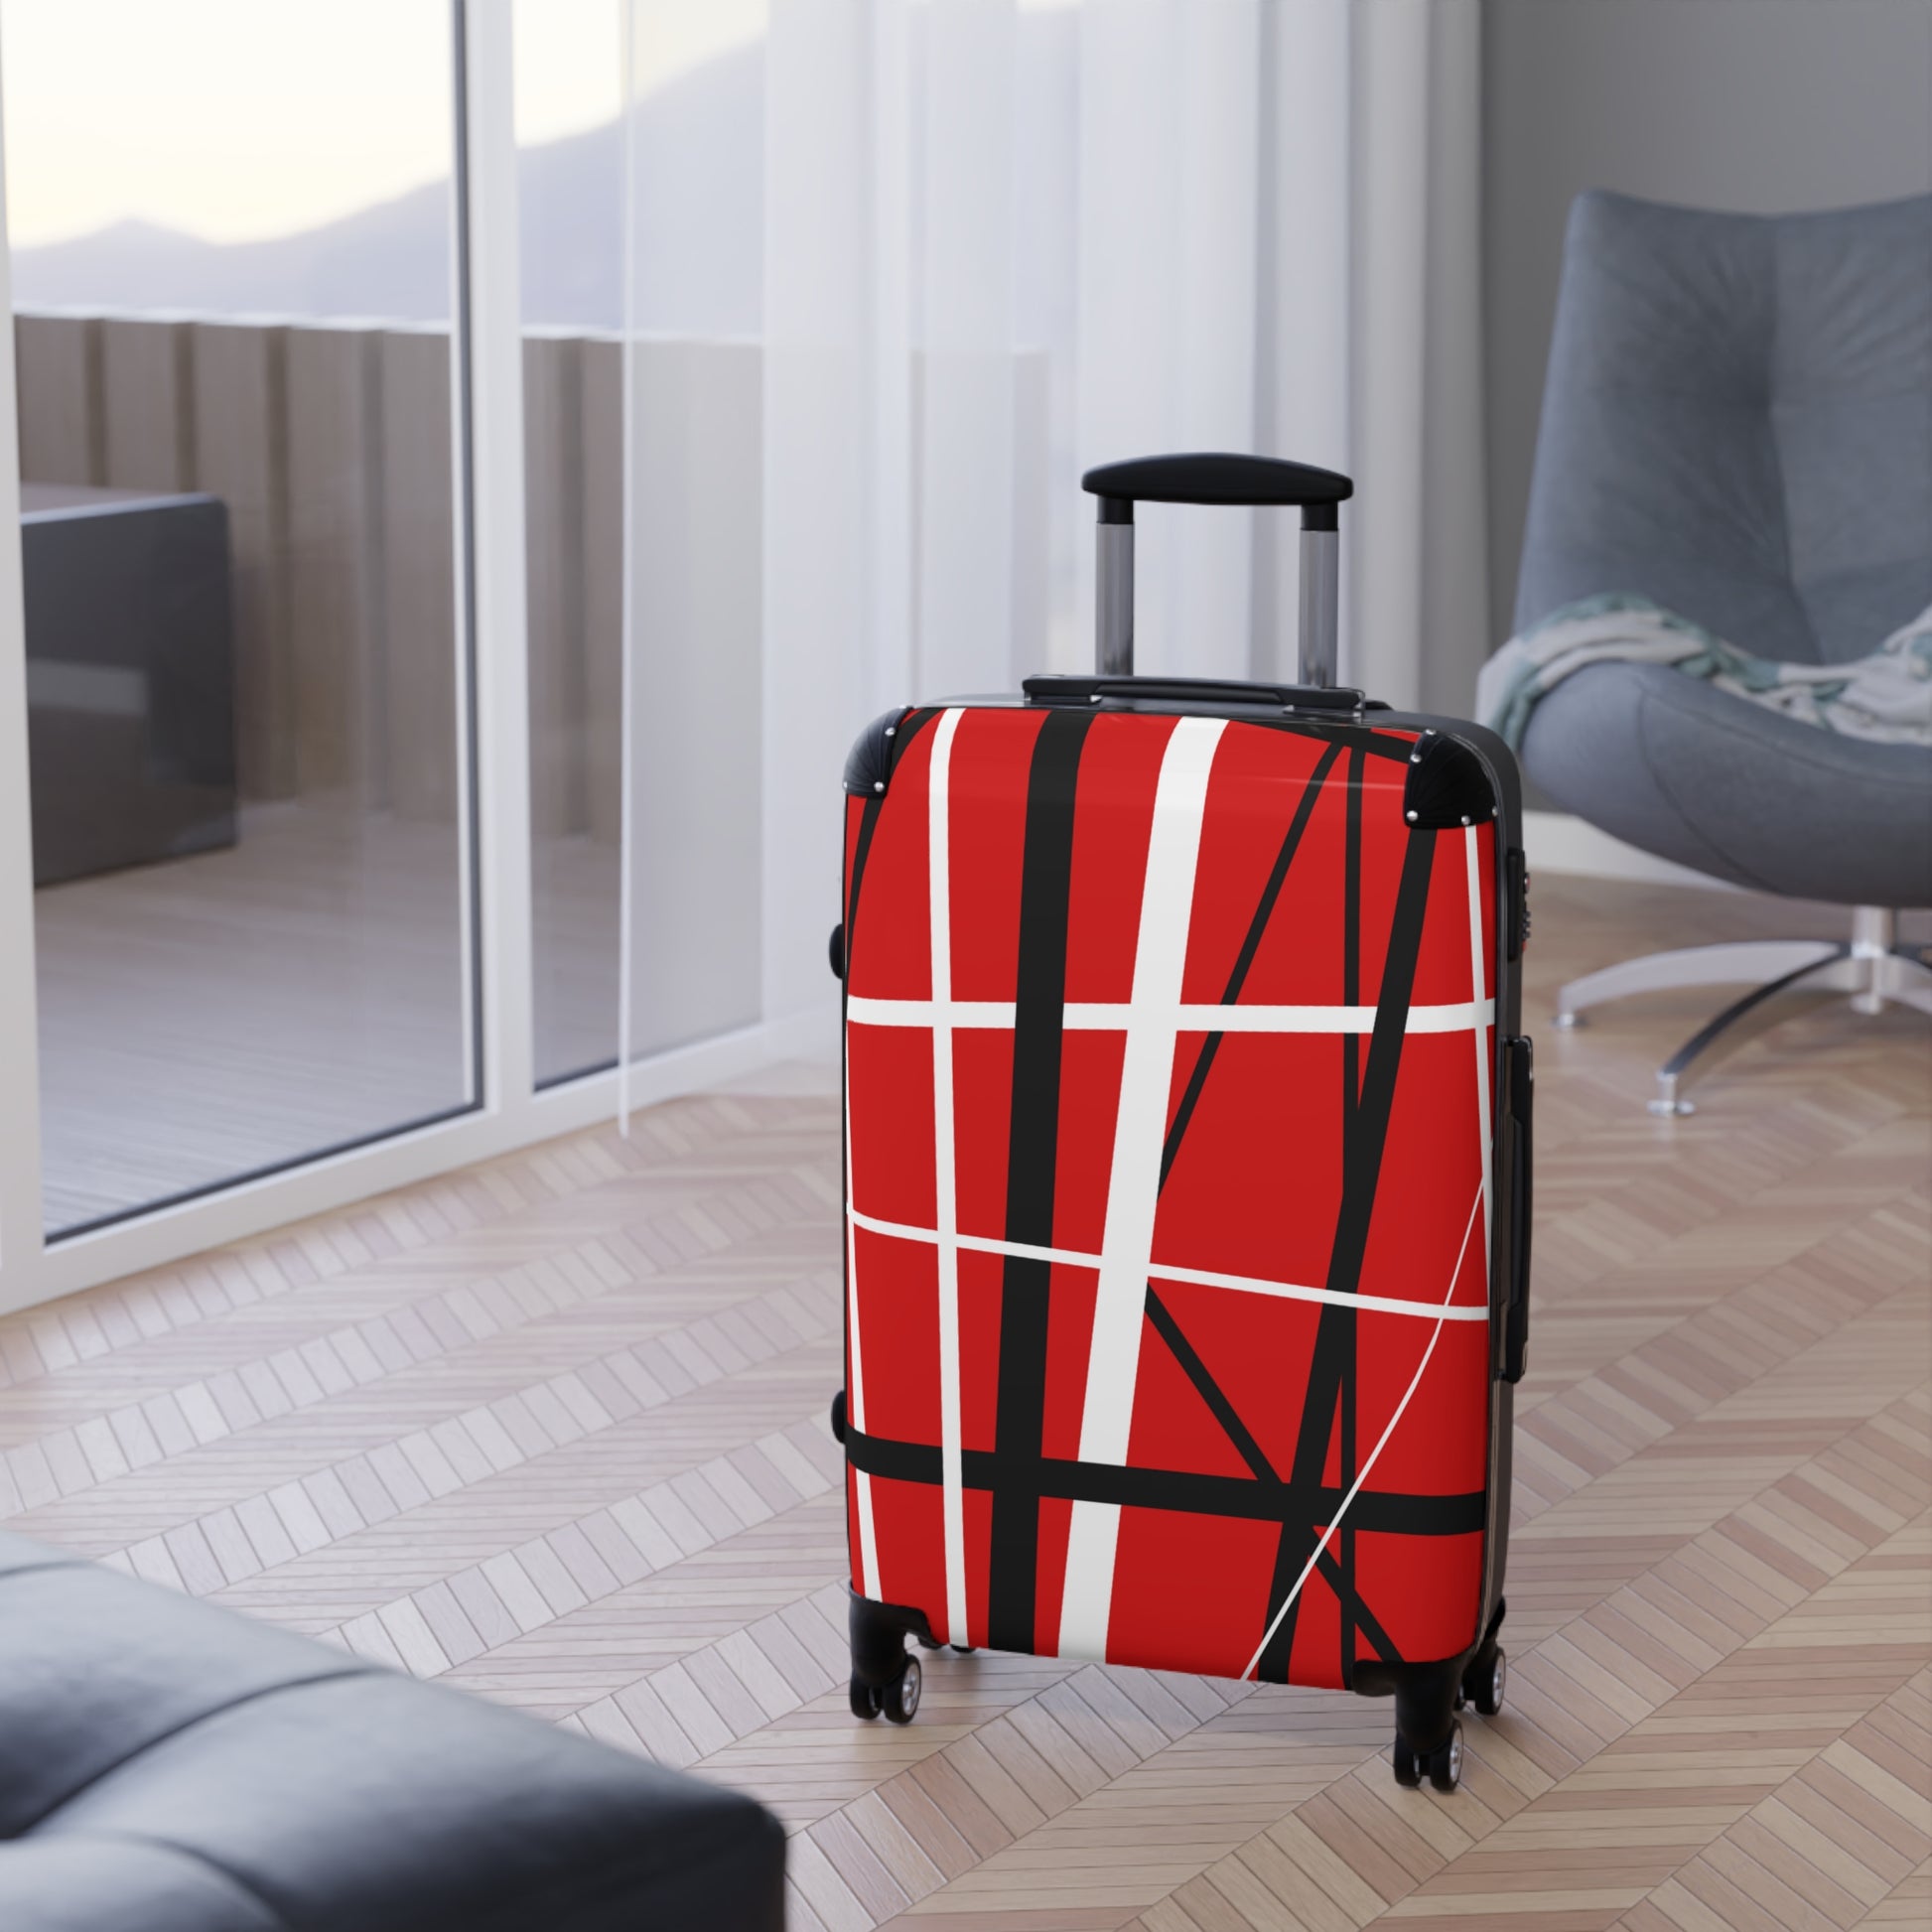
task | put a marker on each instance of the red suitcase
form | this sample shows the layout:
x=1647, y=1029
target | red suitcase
x=1187, y=1169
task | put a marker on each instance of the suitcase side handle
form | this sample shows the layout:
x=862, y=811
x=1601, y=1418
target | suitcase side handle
x=1216, y=477
x=1520, y=1093
x=1196, y=690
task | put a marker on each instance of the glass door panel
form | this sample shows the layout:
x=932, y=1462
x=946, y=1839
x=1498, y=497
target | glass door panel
x=570, y=180
x=231, y=244
x=641, y=268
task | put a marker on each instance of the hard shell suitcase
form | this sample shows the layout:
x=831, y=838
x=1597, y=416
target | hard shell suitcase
x=1187, y=1169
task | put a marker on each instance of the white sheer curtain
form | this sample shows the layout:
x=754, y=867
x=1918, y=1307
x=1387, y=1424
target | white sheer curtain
x=1000, y=243
x=1417, y=547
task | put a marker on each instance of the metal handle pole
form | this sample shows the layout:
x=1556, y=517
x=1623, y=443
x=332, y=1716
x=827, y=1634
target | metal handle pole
x=1114, y=589
x=1319, y=550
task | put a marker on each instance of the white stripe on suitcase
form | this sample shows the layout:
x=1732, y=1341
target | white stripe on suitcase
x=1134, y=1177
x=986, y=1244
x=1382, y=1441
x=1481, y=1033
x=945, y=1183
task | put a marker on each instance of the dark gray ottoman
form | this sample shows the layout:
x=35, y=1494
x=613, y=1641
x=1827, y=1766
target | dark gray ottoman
x=166, y=1766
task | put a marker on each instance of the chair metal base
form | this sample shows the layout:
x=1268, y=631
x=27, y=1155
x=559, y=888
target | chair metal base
x=1871, y=967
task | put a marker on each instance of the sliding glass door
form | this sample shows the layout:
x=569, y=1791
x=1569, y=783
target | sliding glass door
x=568, y=85
x=232, y=231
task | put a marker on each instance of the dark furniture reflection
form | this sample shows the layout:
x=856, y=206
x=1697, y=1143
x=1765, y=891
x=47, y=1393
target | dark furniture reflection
x=166, y=1766
x=130, y=677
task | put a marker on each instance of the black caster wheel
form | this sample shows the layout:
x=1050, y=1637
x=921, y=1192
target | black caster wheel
x=964, y=1649
x=838, y=1416
x=1484, y=1681
x=865, y=1699
x=1442, y=1766
x=899, y=1701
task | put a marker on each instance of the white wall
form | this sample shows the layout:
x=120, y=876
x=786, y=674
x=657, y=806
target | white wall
x=1765, y=106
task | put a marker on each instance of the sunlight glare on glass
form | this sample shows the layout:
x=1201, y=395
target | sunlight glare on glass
x=226, y=121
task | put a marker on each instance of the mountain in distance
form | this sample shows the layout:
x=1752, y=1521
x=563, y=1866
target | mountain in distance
x=698, y=166
x=699, y=163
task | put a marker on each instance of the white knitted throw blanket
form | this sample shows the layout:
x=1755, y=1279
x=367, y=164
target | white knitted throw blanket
x=1885, y=697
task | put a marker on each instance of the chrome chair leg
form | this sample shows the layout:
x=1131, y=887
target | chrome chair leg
x=1669, y=1101
x=1905, y=978
x=1874, y=938
x=1739, y=962
x=1871, y=967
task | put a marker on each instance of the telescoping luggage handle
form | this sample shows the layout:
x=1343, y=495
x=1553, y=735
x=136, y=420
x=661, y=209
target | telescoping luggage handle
x=1216, y=478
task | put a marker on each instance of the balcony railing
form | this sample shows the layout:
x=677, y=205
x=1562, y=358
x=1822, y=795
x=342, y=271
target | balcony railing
x=329, y=444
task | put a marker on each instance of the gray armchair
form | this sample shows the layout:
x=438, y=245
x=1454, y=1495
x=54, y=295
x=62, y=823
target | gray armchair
x=1738, y=423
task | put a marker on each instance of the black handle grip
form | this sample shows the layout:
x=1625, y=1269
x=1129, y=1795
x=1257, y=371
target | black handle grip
x=1216, y=478
x=1196, y=690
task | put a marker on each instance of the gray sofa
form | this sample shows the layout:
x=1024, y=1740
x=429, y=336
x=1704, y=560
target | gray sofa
x=166, y=1766
x=1738, y=423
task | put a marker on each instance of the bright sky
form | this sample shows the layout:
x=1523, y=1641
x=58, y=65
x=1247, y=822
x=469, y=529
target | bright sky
x=234, y=119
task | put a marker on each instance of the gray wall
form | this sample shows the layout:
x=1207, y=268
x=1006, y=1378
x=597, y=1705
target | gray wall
x=1758, y=105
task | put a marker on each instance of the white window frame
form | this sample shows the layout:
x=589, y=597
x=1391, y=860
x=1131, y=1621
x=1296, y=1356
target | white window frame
x=511, y=1112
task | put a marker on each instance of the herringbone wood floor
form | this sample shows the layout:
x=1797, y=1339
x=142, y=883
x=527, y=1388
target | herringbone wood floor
x=552, y=1430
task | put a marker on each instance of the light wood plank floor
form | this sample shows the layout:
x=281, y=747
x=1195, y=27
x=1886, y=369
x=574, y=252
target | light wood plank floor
x=552, y=1430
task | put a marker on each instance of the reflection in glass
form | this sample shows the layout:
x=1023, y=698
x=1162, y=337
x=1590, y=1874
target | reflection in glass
x=568, y=149
x=234, y=364
x=691, y=304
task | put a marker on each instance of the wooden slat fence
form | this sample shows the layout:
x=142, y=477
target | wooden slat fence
x=329, y=444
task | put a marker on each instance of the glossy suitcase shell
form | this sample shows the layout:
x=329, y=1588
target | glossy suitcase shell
x=1187, y=1188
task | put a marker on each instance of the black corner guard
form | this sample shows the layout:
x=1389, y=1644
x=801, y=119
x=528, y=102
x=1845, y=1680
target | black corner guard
x=1448, y=785
x=869, y=765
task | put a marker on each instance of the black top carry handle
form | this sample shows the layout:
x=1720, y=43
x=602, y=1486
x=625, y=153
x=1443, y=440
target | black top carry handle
x=1216, y=478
